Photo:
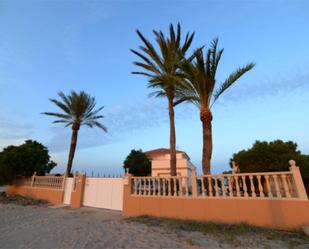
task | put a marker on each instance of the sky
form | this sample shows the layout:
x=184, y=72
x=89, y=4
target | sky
x=52, y=46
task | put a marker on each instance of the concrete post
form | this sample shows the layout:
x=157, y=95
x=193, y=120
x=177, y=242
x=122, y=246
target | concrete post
x=194, y=182
x=126, y=192
x=78, y=193
x=301, y=191
x=63, y=185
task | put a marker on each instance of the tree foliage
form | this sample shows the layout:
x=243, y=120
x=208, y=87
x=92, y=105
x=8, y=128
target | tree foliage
x=161, y=66
x=272, y=156
x=200, y=74
x=78, y=109
x=24, y=160
x=137, y=163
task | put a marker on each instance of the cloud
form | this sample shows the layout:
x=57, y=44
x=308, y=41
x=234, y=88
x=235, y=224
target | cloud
x=14, y=130
x=120, y=121
x=269, y=87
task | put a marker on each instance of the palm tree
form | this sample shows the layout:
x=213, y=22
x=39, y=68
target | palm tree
x=200, y=75
x=162, y=69
x=78, y=109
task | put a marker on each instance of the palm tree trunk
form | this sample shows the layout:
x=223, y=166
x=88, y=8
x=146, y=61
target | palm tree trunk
x=72, y=150
x=172, y=137
x=206, y=118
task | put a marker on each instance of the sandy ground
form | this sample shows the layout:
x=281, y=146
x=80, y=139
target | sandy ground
x=3, y=188
x=46, y=227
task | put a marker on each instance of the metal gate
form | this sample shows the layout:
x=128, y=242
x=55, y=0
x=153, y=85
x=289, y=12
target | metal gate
x=103, y=193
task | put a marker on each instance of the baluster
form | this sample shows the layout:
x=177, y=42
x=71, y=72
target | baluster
x=285, y=185
x=230, y=186
x=149, y=185
x=179, y=184
x=169, y=186
x=135, y=186
x=223, y=186
x=175, y=186
x=164, y=186
x=291, y=186
x=277, y=189
x=210, y=189
x=253, y=194
x=139, y=185
x=244, y=186
x=153, y=186
x=187, y=185
x=237, y=186
x=260, y=188
x=216, y=186
x=203, y=186
x=144, y=181
x=268, y=187
x=159, y=185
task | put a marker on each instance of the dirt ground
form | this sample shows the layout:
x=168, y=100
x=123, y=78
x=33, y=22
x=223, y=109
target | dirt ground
x=47, y=227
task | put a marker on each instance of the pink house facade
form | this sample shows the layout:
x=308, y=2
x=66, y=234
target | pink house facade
x=160, y=162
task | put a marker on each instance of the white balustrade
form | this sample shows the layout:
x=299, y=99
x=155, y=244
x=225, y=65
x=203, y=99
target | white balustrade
x=243, y=185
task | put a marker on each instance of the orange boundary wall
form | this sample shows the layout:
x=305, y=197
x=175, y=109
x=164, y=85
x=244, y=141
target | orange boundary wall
x=282, y=214
x=54, y=196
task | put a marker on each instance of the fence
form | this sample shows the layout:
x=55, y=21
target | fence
x=50, y=188
x=272, y=199
x=54, y=182
x=264, y=185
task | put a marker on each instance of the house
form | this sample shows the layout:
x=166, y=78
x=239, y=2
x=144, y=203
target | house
x=160, y=162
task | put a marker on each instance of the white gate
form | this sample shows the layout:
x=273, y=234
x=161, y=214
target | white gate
x=68, y=187
x=103, y=193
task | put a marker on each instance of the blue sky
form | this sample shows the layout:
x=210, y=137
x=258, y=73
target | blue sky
x=52, y=46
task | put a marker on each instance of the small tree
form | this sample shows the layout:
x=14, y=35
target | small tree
x=137, y=163
x=24, y=160
x=272, y=156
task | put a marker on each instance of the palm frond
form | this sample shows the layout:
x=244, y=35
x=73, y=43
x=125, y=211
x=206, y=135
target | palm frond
x=58, y=115
x=61, y=105
x=78, y=108
x=162, y=66
x=103, y=127
x=231, y=80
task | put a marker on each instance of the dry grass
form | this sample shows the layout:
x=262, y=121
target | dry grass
x=231, y=233
x=21, y=200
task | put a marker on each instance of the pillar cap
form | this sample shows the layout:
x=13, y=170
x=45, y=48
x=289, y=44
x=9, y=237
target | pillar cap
x=292, y=163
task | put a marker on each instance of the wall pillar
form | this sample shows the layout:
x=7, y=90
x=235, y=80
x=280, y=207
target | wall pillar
x=127, y=186
x=194, y=183
x=78, y=191
x=301, y=191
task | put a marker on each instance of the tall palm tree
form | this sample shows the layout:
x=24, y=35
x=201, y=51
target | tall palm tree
x=162, y=69
x=200, y=75
x=78, y=109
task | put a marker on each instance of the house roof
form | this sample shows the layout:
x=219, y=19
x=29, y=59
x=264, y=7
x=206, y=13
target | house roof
x=161, y=151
